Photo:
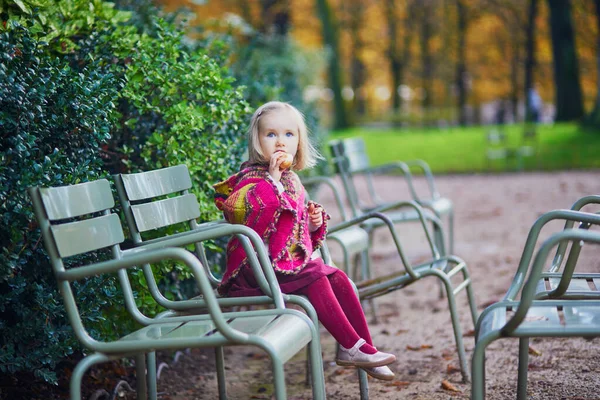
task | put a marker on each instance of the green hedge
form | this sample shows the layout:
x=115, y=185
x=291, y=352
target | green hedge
x=52, y=121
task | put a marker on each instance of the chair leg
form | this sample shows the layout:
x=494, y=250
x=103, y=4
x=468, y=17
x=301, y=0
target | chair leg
x=278, y=378
x=308, y=375
x=523, y=365
x=363, y=384
x=478, y=371
x=366, y=274
x=140, y=374
x=152, y=379
x=451, y=231
x=456, y=327
x=316, y=369
x=220, y=366
x=79, y=371
x=471, y=299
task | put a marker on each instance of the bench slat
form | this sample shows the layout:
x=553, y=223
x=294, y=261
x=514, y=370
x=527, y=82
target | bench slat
x=354, y=239
x=145, y=185
x=89, y=235
x=76, y=200
x=165, y=212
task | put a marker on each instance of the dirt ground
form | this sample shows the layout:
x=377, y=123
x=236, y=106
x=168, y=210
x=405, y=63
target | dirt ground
x=493, y=214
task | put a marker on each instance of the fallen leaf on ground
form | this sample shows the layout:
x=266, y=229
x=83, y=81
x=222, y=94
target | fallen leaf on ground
x=534, y=352
x=421, y=347
x=469, y=333
x=450, y=369
x=450, y=387
x=401, y=331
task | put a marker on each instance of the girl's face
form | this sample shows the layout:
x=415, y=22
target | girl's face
x=278, y=131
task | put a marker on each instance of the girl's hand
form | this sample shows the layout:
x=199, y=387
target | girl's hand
x=274, y=165
x=315, y=217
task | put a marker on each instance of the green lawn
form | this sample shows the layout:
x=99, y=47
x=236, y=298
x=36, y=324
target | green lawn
x=560, y=146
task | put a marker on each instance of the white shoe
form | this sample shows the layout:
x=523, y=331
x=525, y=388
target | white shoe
x=383, y=373
x=355, y=358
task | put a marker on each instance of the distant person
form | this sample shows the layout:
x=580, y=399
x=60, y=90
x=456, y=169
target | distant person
x=501, y=112
x=535, y=104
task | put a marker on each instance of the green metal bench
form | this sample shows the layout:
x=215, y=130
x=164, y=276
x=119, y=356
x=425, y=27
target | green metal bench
x=538, y=313
x=355, y=242
x=160, y=198
x=77, y=220
x=351, y=161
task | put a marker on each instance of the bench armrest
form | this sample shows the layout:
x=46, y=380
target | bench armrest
x=379, y=213
x=257, y=254
x=529, y=288
x=568, y=215
x=142, y=256
x=317, y=180
x=405, y=168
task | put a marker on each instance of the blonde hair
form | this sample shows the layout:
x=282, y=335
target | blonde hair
x=306, y=156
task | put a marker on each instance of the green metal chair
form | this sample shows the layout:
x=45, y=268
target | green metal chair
x=351, y=161
x=443, y=267
x=537, y=314
x=354, y=241
x=77, y=220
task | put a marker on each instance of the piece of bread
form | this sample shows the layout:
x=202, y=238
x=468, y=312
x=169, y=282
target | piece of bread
x=289, y=159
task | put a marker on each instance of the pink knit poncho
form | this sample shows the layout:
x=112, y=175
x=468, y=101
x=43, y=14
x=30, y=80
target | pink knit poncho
x=251, y=198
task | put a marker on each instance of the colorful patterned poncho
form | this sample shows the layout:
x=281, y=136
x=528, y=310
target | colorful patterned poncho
x=251, y=198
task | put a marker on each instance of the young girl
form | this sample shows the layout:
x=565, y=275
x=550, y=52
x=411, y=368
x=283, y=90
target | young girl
x=269, y=198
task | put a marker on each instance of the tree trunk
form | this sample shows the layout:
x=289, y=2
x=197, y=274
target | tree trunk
x=426, y=58
x=396, y=65
x=275, y=15
x=398, y=55
x=569, y=103
x=530, y=58
x=461, y=64
x=245, y=9
x=330, y=39
x=357, y=67
x=514, y=73
x=594, y=118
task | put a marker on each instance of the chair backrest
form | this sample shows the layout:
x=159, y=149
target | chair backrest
x=350, y=157
x=62, y=211
x=75, y=220
x=144, y=204
x=144, y=200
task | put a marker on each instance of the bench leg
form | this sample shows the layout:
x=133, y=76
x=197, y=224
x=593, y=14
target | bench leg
x=451, y=231
x=363, y=384
x=152, y=378
x=79, y=371
x=523, y=365
x=220, y=365
x=478, y=371
x=462, y=357
x=316, y=369
x=365, y=268
x=278, y=378
x=140, y=374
